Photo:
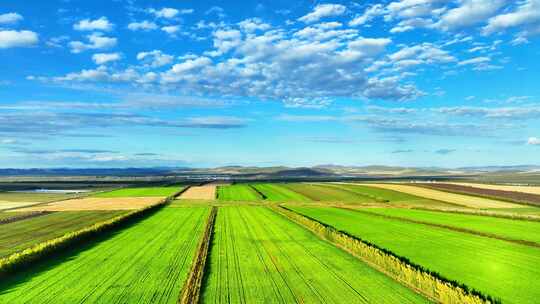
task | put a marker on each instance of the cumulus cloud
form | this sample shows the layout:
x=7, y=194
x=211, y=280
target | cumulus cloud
x=171, y=29
x=10, y=18
x=533, y=141
x=526, y=14
x=155, y=58
x=370, y=13
x=169, y=12
x=322, y=11
x=468, y=13
x=144, y=25
x=11, y=39
x=96, y=41
x=101, y=24
x=102, y=58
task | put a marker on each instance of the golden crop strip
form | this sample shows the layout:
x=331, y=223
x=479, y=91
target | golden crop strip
x=206, y=192
x=457, y=199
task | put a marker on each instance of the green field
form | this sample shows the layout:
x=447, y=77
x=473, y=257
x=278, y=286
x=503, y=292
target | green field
x=145, y=263
x=240, y=192
x=328, y=193
x=391, y=197
x=506, y=228
x=502, y=269
x=280, y=193
x=35, y=197
x=141, y=192
x=22, y=234
x=259, y=256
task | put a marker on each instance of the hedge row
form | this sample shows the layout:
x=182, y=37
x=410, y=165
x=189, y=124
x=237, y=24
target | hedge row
x=192, y=287
x=428, y=283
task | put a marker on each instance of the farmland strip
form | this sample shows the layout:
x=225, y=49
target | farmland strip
x=449, y=227
x=399, y=268
x=191, y=291
x=25, y=216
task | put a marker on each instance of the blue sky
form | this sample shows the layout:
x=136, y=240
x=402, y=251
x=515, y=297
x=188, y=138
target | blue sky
x=211, y=83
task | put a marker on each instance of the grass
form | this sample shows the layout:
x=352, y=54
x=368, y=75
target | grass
x=145, y=263
x=7, y=215
x=502, y=269
x=20, y=235
x=504, y=228
x=140, y=192
x=258, y=256
x=280, y=193
x=239, y=192
x=328, y=193
x=392, y=197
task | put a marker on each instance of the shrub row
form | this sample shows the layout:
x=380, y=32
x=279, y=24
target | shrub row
x=191, y=291
x=426, y=282
x=25, y=216
x=19, y=260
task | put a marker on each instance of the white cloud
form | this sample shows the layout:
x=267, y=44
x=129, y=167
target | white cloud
x=142, y=26
x=102, y=58
x=169, y=13
x=10, y=39
x=101, y=24
x=469, y=12
x=476, y=60
x=527, y=13
x=533, y=141
x=97, y=41
x=171, y=29
x=370, y=13
x=10, y=18
x=253, y=24
x=155, y=59
x=322, y=11
x=8, y=141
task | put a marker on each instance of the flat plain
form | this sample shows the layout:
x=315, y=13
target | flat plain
x=469, y=259
x=140, y=192
x=259, y=256
x=238, y=192
x=97, y=203
x=280, y=193
x=144, y=263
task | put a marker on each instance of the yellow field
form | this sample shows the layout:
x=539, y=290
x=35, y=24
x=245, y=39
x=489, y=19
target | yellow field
x=206, y=192
x=97, y=203
x=524, y=189
x=457, y=199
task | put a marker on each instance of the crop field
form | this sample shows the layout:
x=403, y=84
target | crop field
x=96, y=203
x=518, y=230
x=23, y=234
x=144, y=263
x=519, y=197
x=240, y=192
x=280, y=193
x=523, y=189
x=205, y=192
x=453, y=198
x=470, y=259
x=328, y=193
x=140, y=192
x=259, y=256
x=35, y=197
x=391, y=197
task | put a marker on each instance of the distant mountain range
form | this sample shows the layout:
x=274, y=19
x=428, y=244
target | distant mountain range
x=275, y=172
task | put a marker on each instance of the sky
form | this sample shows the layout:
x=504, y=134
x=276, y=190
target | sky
x=133, y=83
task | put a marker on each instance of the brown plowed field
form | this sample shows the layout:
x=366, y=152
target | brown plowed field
x=206, y=192
x=514, y=196
x=524, y=189
x=97, y=203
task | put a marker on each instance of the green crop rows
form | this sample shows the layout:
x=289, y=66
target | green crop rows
x=259, y=256
x=240, y=192
x=140, y=192
x=145, y=263
x=502, y=269
x=280, y=193
x=505, y=228
x=23, y=234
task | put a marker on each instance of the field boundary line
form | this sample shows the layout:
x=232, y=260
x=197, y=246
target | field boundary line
x=18, y=260
x=511, y=216
x=428, y=283
x=192, y=287
x=262, y=195
x=452, y=228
